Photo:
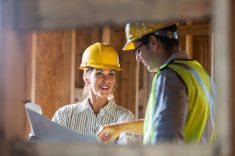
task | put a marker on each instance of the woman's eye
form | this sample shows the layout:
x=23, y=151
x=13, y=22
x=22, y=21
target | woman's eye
x=111, y=74
x=99, y=73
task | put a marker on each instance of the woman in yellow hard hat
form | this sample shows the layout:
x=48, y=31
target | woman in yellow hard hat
x=100, y=63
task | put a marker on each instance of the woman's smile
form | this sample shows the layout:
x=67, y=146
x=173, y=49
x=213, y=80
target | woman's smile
x=104, y=88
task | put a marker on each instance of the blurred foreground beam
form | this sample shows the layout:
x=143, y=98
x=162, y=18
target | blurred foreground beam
x=59, y=14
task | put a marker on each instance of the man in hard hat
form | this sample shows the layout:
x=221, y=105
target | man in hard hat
x=181, y=103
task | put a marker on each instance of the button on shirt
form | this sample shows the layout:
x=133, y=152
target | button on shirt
x=80, y=118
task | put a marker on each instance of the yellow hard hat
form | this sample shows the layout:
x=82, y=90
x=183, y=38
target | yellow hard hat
x=138, y=30
x=100, y=55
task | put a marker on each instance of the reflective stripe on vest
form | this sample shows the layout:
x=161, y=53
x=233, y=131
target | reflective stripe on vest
x=199, y=126
x=148, y=126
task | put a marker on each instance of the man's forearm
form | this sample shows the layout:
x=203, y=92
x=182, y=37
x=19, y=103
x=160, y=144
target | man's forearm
x=131, y=126
x=109, y=132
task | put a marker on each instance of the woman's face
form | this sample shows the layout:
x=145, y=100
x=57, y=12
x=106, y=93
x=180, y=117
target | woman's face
x=101, y=81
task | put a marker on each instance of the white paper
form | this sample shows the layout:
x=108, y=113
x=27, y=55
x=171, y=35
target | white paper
x=50, y=131
x=34, y=107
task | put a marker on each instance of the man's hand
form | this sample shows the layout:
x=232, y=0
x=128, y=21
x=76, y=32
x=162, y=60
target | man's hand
x=109, y=132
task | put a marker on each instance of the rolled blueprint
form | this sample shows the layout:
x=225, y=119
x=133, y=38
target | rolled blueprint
x=34, y=107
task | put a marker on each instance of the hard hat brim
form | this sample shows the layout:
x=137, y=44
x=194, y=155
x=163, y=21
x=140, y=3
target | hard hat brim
x=100, y=66
x=129, y=45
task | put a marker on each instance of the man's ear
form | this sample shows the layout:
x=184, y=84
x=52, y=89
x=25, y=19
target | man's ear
x=153, y=41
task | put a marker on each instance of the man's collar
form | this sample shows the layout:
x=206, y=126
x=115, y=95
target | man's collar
x=177, y=55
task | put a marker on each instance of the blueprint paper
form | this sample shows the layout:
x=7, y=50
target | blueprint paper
x=34, y=107
x=48, y=130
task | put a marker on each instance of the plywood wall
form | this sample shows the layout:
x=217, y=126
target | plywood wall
x=53, y=70
x=13, y=47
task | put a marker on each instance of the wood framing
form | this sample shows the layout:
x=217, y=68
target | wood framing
x=223, y=68
x=54, y=70
x=232, y=57
x=12, y=81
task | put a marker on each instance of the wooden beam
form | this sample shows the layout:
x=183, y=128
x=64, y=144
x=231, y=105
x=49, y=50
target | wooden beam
x=12, y=79
x=137, y=89
x=1, y=81
x=224, y=69
x=198, y=29
x=232, y=50
x=189, y=42
x=59, y=14
x=54, y=84
x=28, y=70
x=72, y=148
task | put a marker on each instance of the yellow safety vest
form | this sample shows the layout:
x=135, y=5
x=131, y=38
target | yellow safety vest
x=199, y=126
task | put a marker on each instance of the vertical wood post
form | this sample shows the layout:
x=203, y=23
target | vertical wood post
x=189, y=42
x=232, y=58
x=54, y=70
x=223, y=68
x=12, y=79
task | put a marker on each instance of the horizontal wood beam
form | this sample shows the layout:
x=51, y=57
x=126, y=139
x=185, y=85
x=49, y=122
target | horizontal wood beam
x=60, y=14
x=199, y=29
x=72, y=149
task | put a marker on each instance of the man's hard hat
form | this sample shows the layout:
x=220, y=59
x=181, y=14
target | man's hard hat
x=100, y=55
x=138, y=30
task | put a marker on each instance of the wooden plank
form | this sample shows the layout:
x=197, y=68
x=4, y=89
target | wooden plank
x=189, y=41
x=195, y=29
x=53, y=72
x=231, y=38
x=45, y=72
x=132, y=81
x=28, y=70
x=73, y=68
x=145, y=88
x=137, y=90
x=64, y=85
x=142, y=97
x=59, y=14
x=223, y=61
x=12, y=71
x=202, y=52
x=1, y=87
x=182, y=40
x=71, y=149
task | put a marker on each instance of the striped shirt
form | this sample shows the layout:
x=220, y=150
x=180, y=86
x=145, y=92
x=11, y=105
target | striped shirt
x=80, y=118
